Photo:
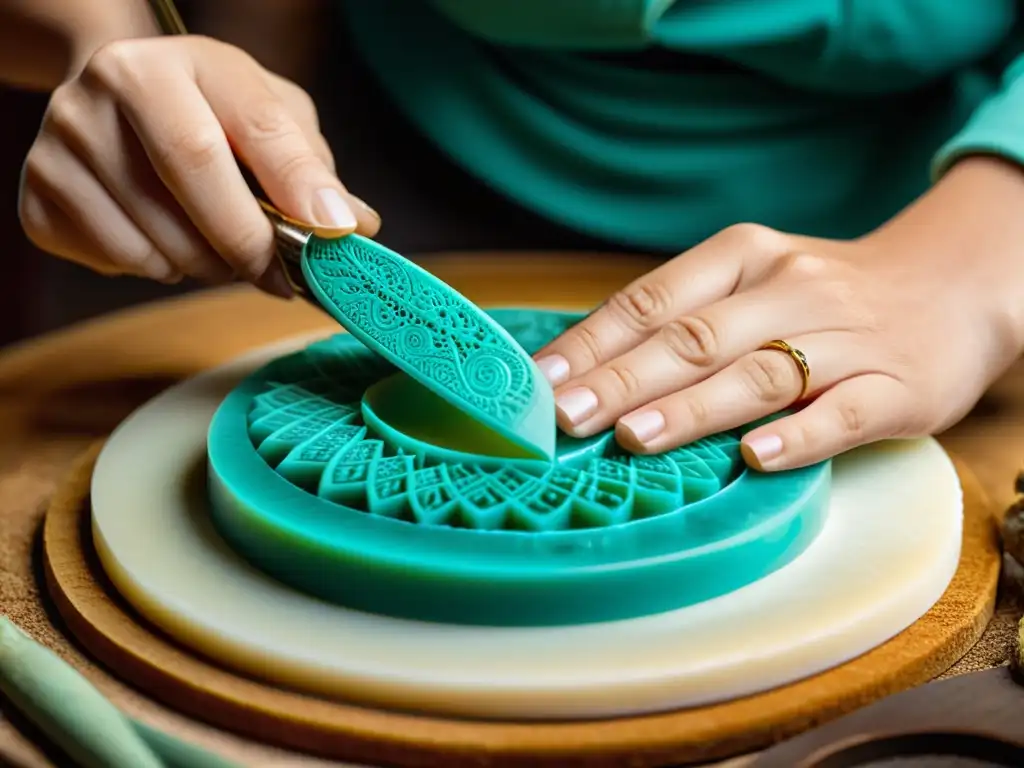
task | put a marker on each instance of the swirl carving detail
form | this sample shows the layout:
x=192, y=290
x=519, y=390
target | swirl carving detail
x=414, y=318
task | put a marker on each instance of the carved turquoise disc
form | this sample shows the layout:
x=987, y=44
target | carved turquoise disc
x=438, y=337
x=337, y=474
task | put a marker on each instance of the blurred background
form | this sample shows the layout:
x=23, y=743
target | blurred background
x=426, y=204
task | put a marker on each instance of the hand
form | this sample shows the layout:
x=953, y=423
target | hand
x=903, y=330
x=132, y=171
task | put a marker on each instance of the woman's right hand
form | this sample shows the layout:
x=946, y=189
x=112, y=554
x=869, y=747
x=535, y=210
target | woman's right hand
x=133, y=173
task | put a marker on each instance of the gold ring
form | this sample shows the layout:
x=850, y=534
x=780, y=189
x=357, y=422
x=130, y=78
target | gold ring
x=797, y=357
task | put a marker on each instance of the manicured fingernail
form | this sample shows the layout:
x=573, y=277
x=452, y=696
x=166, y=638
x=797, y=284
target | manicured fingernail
x=576, y=404
x=555, y=369
x=643, y=426
x=331, y=210
x=760, y=450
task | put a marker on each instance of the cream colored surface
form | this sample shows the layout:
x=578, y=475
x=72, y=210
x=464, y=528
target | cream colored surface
x=889, y=550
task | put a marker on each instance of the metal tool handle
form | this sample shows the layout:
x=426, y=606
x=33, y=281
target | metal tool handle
x=291, y=235
x=167, y=16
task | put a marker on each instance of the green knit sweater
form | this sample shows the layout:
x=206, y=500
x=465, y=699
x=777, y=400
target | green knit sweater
x=821, y=117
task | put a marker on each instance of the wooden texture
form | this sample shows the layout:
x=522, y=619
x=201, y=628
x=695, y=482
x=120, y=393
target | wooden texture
x=62, y=391
x=124, y=642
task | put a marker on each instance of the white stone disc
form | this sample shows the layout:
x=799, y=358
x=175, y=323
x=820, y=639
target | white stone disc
x=888, y=551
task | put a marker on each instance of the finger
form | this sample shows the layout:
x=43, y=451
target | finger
x=189, y=151
x=271, y=142
x=304, y=109
x=684, y=352
x=54, y=173
x=53, y=231
x=855, y=412
x=90, y=124
x=759, y=384
x=707, y=273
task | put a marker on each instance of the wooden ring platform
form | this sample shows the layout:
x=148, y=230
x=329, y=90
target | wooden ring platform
x=133, y=650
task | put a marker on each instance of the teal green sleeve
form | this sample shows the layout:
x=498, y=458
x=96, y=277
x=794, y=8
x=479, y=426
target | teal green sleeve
x=611, y=24
x=820, y=45
x=995, y=128
x=845, y=103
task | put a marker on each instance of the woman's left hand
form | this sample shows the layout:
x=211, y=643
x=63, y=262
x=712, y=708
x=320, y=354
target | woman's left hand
x=902, y=331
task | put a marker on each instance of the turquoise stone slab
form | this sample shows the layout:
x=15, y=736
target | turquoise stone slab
x=438, y=337
x=332, y=471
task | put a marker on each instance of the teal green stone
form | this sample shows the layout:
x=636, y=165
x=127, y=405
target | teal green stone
x=345, y=478
x=438, y=337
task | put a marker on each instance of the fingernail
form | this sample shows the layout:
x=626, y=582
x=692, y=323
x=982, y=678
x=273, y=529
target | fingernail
x=643, y=426
x=331, y=210
x=577, y=404
x=760, y=450
x=555, y=369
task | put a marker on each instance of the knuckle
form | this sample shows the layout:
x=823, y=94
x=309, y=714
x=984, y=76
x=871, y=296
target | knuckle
x=623, y=380
x=852, y=419
x=249, y=251
x=193, y=148
x=587, y=344
x=294, y=165
x=67, y=120
x=41, y=173
x=802, y=265
x=32, y=218
x=205, y=43
x=752, y=236
x=63, y=111
x=692, y=340
x=114, y=63
x=697, y=412
x=642, y=306
x=266, y=119
x=768, y=376
x=34, y=170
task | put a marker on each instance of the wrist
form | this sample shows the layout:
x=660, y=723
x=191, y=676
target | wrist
x=968, y=231
x=45, y=42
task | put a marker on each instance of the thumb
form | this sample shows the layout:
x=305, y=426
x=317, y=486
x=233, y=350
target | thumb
x=269, y=141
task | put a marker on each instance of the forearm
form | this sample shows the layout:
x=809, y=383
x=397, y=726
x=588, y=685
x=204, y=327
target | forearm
x=42, y=42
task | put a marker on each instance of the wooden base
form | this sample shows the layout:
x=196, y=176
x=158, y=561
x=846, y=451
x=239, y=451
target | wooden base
x=131, y=649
